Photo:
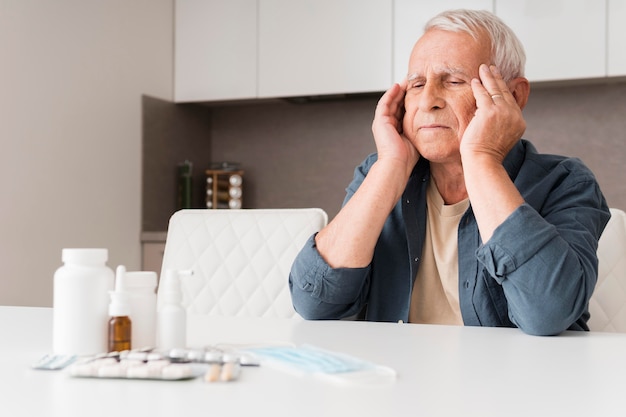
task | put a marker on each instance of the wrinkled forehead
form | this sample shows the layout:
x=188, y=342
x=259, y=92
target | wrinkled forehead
x=440, y=51
x=441, y=69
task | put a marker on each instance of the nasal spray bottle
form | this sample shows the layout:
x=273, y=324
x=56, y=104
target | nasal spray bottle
x=119, y=311
x=171, y=317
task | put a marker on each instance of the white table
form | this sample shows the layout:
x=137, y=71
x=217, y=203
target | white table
x=442, y=371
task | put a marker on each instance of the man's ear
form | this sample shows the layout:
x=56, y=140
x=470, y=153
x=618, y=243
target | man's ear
x=520, y=88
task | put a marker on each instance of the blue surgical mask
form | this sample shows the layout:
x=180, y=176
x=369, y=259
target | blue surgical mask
x=311, y=360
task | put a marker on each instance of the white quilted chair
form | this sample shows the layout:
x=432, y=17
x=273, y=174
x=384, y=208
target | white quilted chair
x=608, y=302
x=240, y=258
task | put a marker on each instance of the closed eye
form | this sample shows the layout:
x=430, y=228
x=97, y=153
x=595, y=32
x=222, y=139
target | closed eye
x=415, y=81
x=414, y=85
x=455, y=81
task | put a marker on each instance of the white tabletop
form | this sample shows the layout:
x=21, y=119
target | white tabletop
x=441, y=370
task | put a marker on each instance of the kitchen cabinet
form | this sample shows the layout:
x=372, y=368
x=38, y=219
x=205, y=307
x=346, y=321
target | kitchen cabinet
x=616, y=33
x=240, y=49
x=563, y=39
x=316, y=47
x=249, y=49
x=409, y=19
x=215, y=50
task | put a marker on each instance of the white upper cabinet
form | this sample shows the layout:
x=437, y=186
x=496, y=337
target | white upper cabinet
x=616, y=38
x=215, y=50
x=316, y=47
x=563, y=39
x=409, y=18
x=246, y=49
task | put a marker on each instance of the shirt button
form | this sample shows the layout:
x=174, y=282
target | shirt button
x=466, y=284
x=416, y=259
x=407, y=201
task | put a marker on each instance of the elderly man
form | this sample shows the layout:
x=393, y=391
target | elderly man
x=456, y=219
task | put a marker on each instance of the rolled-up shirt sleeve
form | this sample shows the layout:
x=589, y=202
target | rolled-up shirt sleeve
x=319, y=291
x=547, y=266
x=515, y=242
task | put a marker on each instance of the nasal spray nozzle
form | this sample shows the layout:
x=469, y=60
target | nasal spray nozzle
x=170, y=287
x=172, y=317
x=120, y=305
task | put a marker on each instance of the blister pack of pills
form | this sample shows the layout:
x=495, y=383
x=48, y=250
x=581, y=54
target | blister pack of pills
x=110, y=367
x=175, y=365
x=222, y=365
x=216, y=365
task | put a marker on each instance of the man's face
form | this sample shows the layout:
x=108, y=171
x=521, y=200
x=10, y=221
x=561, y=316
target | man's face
x=439, y=101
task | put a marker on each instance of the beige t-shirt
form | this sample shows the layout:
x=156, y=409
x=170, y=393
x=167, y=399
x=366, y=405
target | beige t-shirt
x=435, y=296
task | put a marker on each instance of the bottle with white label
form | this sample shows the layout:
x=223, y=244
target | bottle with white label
x=141, y=288
x=81, y=302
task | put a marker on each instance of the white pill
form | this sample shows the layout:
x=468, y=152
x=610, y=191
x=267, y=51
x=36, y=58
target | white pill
x=176, y=371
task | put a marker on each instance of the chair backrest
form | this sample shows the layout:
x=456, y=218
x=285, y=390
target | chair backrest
x=240, y=258
x=608, y=302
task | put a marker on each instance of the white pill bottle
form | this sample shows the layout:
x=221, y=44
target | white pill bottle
x=141, y=287
x=81, y=302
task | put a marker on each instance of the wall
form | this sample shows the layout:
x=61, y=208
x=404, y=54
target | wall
x=172, y=134
x=295, y=155
x=71, y=83
x=303, y=155
x=586, y=121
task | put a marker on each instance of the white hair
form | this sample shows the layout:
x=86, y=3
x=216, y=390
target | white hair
x=507, y=51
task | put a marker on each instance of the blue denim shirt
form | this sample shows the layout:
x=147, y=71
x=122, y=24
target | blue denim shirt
x=537, y=271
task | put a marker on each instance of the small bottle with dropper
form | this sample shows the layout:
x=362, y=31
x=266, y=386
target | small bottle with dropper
x=119, y=326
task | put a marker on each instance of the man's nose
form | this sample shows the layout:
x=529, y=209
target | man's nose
x=431, y=97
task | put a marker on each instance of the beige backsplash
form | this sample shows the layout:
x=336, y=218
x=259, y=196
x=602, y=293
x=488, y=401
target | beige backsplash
x=303, y=155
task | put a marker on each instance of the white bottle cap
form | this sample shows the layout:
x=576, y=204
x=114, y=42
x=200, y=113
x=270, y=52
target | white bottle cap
x=89, y=256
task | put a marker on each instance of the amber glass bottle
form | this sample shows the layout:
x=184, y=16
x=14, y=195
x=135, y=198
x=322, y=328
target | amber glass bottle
x=119, y=334
x=119, y=326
